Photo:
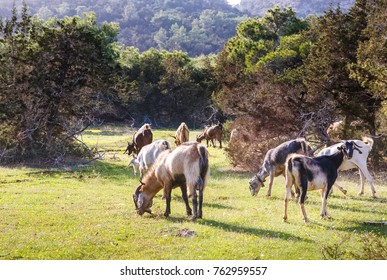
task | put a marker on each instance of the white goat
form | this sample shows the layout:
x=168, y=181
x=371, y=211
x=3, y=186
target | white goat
x=148, y=155
x=358, y=160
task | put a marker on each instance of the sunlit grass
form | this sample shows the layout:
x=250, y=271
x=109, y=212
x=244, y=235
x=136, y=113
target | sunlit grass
x=87, y=212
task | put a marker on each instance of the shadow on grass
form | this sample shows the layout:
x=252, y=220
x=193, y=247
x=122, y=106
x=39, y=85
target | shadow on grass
x=362, y=227
x=205, y=204
x=96, y=169
x=354, y=209
x=352, y=226
x=254, y=231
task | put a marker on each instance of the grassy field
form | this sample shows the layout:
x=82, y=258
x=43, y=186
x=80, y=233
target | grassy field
x=87, y=212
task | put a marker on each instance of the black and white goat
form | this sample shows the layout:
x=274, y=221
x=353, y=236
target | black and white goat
x=274, y=163
x=358, y=160
x=317, y=173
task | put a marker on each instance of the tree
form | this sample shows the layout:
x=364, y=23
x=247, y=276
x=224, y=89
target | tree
x=60, y=77
x=327, y=72
x=370, y=69
x=262, y=86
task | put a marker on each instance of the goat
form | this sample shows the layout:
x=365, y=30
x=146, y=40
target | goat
x=359, y=160
x=182, y=134
x=142, y=137
x=274, y=163
x=187, y=166
x=233, y=134
x=318, y=173
x=148, y=154
x=210, y=134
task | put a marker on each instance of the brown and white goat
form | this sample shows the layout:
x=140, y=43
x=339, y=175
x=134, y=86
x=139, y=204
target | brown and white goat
x=212, y=133
x=142, y=137
x=182, y=134
x=186, y=166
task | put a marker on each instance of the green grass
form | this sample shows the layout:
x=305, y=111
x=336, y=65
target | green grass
x=87, y=212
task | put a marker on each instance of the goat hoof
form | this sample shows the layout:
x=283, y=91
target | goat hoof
x=360, y=193
x=284, y=220
x=344, y=191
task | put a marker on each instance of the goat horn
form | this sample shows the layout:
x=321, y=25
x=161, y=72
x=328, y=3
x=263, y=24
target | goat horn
x=357, y=149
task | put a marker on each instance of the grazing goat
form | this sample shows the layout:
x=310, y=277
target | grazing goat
x=358, y=160
x=186, y=166
x=318, y=173
x=142, y=137
x=148, y=155
x=212, y=133
x=274, y=163
x=182, y=134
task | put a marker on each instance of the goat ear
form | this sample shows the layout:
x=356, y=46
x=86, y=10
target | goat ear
x=138, y=190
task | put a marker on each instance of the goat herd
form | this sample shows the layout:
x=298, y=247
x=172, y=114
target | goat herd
x=187, y=167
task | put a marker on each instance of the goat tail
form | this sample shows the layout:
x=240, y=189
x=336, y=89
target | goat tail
x=203, y=164
x=288, y=171
x=368, y=141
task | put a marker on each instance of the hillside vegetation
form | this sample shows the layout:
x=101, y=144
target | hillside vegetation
x=303, y=8
x=195, y=26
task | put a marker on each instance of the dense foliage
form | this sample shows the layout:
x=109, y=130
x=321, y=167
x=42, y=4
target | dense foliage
x=279, y=77
x=195, y=26
x=52, y=78
x=303, y=8
x=286, y=78
x=59, y=76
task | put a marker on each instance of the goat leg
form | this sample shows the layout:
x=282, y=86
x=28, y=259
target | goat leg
x=185, y=198
x=167, y=192
x=195, y=206
x=199, y=215
x=301, y=202
x=287, y=195
x=302, y=207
